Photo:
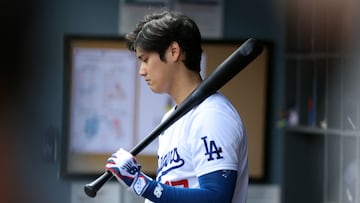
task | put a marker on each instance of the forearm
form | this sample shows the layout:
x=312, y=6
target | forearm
x=214, y=187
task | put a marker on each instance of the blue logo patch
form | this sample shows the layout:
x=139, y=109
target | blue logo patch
x=211, y=148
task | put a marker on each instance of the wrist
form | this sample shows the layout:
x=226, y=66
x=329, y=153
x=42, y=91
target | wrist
x=140, y=183
x=154, y=191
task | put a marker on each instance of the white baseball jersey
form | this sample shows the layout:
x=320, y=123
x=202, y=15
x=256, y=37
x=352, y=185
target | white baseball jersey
x=208, y=138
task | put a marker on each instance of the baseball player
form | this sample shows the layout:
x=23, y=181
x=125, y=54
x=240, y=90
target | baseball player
x=202, y=157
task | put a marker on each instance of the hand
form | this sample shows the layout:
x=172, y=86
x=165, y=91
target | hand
x=125, y=168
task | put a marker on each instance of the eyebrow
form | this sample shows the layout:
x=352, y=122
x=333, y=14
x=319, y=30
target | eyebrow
x=140, y=56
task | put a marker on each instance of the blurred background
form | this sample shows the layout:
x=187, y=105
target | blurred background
x=313, y=140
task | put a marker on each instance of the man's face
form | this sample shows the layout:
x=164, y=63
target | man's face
x=157, y=73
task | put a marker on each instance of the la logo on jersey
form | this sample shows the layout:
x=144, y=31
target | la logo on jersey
x=211, y=149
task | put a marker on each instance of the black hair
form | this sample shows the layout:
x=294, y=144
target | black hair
x=158, y=30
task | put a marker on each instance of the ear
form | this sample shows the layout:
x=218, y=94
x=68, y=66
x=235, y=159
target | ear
x=175, y=51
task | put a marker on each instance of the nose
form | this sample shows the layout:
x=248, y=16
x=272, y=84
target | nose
x=142, y=70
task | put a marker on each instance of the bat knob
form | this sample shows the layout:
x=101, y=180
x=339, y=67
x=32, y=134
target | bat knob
x=90, y=190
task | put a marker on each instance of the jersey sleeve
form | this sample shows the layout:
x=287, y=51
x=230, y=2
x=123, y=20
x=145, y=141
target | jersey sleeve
x=215, y=140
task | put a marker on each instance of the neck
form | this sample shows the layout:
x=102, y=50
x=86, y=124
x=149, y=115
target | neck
x=185, y=86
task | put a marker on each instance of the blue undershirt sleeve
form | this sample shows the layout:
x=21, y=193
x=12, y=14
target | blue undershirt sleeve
x=216, y=187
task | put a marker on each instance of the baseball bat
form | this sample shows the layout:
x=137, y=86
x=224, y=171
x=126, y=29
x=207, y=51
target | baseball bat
x=236, y=62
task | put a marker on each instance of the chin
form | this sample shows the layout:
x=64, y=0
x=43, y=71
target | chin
x=157, y=91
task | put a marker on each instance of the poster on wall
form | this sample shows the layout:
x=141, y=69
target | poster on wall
x=131, y=11
x=102, y=100
x=208, y=14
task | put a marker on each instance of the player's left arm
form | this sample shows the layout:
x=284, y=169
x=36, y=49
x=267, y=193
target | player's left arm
x=216, y=187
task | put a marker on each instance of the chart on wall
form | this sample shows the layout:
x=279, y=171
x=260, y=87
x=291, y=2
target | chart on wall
x=209, y=15
x=103, y=98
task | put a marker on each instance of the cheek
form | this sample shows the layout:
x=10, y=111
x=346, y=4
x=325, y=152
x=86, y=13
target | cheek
x=159, y=83
x=160, y=78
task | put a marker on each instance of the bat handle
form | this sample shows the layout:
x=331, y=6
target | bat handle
x=92, y=188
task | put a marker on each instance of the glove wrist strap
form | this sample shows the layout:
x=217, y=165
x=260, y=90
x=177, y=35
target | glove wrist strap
x=140, y=184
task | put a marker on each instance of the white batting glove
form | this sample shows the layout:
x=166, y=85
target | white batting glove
x=125, y=168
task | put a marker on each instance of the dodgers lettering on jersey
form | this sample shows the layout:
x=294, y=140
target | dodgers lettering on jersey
x=170, y=161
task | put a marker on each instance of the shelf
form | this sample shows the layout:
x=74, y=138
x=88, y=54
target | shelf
x=321, y=131
x=301, y=56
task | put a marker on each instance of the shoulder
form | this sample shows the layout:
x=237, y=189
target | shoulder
x=217, y=104
x=215, y=116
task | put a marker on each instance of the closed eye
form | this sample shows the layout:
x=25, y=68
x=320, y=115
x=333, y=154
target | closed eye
x=144, y=60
